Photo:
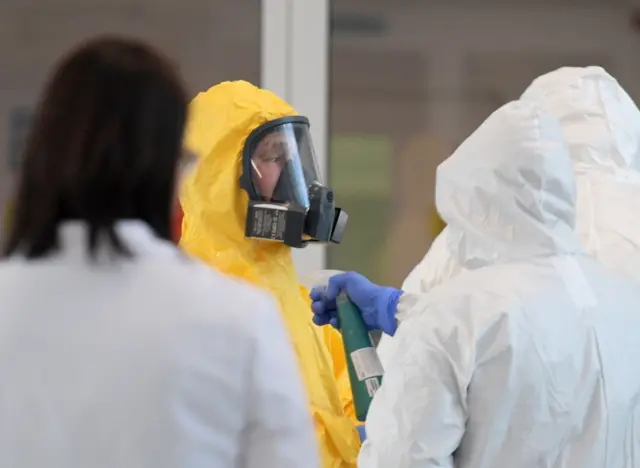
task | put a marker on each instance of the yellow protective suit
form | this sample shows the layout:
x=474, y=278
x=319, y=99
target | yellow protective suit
x=213, y=226
x=436, y=224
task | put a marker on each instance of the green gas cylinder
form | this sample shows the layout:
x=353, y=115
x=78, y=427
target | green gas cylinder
x=365, y=369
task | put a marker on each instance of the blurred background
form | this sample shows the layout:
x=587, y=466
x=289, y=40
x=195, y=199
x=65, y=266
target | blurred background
x=391, y=86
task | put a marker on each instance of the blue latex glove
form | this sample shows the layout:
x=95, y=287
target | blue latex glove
x=377, y=304
x=362, y=432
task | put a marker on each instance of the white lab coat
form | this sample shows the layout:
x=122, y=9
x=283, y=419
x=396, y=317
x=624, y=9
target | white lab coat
x=155, y=362
x=529, y=358
x=602, y=126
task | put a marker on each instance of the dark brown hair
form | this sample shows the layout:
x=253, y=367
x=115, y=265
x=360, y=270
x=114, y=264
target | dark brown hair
x=104, y=146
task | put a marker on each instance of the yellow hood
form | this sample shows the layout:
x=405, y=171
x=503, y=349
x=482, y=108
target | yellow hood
x=215, y=209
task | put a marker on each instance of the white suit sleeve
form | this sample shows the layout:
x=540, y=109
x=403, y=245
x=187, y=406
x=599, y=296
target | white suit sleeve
x=417, y=418
x=280, y=431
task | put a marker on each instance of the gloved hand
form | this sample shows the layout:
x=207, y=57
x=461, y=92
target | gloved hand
x=377, y=304
x=362, y=432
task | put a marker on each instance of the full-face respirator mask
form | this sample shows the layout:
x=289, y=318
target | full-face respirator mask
x=288, y=202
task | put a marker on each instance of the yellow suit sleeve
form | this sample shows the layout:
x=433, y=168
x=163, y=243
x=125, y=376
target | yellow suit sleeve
x=333, y=341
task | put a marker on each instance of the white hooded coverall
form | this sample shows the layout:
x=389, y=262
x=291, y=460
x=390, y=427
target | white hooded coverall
x=530, y=357
x=601, y=124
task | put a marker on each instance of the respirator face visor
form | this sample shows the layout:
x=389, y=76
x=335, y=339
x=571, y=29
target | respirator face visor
x=288, y=202
x=282, y=163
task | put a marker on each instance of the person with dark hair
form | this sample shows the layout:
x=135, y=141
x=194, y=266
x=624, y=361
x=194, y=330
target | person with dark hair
x=116, y=350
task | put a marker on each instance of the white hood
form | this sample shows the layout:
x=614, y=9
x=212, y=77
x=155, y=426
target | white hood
x=508, y=192
x=600, y=121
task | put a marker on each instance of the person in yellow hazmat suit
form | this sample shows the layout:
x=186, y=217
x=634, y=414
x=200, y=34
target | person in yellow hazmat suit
x=253, y=194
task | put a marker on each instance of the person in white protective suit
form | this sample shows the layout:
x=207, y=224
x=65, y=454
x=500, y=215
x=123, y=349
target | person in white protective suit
x=602, y=126
x=529, y=357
